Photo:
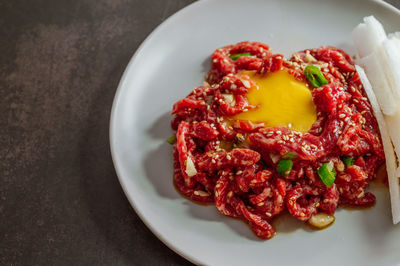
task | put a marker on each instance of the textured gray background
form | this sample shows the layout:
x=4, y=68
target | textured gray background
x=60, y=200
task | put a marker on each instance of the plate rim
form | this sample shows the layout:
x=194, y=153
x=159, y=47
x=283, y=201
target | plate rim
x=113, y=118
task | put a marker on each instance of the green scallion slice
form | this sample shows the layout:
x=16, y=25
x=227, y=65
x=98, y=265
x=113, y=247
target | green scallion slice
x=289, y=155
x=236, y=56
x=284, y=167
x=315, y=76
x=348, y=161
x=171, y=140
x=327, y=174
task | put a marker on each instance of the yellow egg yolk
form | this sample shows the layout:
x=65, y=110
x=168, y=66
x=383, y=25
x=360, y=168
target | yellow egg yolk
x=282, y=101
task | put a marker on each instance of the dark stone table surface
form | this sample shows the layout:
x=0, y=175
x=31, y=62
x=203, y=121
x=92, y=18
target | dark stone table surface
x=60, y=199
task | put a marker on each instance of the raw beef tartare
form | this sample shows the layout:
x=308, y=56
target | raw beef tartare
x=265, y=135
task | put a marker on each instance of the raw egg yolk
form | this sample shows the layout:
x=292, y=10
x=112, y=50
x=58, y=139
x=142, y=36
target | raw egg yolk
x=282, y=101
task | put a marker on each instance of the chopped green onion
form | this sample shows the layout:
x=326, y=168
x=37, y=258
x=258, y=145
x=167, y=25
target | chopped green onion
x=327, y=174
x=171, y=140
x=348, y=161
x=289, y=155
x=236, y=56
x=315, y=76
x=284, y=167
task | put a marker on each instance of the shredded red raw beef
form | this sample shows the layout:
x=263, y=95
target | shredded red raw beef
x=235, y=164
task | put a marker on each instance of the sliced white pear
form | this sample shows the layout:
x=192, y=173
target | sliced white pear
x=376, y=75
x=391, y=161
x=368, y=35
x=390, y=62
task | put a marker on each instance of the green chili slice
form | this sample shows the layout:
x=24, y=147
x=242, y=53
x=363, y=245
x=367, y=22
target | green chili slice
x=284, y=167
x=348, y=161
x=236, y=56
x=315, y=76
x=171, y=140
x=327, y=174
x=289, y=155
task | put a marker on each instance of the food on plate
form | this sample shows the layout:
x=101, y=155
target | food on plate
x=266, y=135
x=380, y=58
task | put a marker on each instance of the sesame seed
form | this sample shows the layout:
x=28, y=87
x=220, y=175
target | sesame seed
x=279, y=141
x=325, y=200
x=213, y=161
x=230, y=194
x=269, y=134
x=302, y=214
x=342, y=116
x=228, y=157
x=246, y=83
x=313, y=146
x=239, y=172
x=268, y=214
x=201, y=193
x=260, y=204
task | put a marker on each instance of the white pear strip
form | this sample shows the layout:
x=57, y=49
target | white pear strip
x=391, y=163
x=395, y=38
x=391, y=65
x=368, y=35
x=393, y=127
x=376, y=75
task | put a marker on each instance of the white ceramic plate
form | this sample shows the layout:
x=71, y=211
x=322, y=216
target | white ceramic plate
x=168, y=65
